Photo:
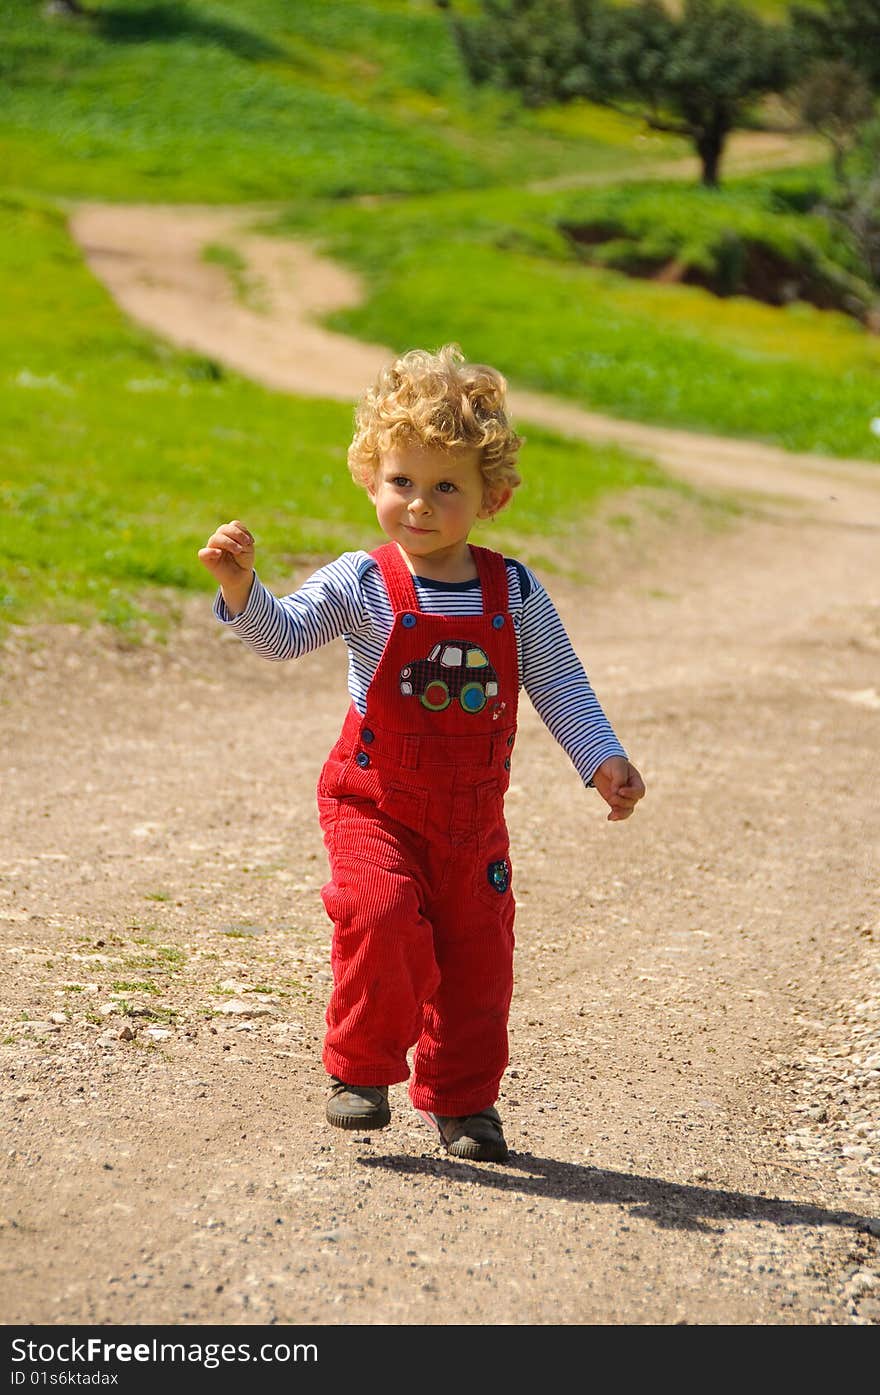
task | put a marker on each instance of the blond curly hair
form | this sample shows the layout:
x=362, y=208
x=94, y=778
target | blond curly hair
x=440, y=401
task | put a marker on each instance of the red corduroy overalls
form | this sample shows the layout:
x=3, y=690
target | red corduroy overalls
x=411, y=803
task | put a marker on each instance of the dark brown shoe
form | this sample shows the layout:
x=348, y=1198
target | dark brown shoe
x=478, y=1137
x=357, y=1106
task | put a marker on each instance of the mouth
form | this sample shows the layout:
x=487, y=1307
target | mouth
x=420, y=532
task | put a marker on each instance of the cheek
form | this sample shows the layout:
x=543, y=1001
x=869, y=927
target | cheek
x=456, y=505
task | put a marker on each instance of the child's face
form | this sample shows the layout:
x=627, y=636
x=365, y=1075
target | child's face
x=427, y=500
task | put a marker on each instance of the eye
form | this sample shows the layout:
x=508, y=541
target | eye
x=400, y=480
x=446, y=487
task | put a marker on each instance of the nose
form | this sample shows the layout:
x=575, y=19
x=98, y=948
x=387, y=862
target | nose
x=419, y=506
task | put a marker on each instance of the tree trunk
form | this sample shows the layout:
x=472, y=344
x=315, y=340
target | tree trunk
x=710, y=135
x=710, y=144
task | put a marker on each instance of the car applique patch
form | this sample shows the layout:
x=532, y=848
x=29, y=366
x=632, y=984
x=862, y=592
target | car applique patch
x=499, y=875
x=453, y=671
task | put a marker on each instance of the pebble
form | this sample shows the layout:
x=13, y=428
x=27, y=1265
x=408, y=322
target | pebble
x=837, y=1081
x=126, y=1034
x=59, y=1018
x=158, y=1033
x=236, y=1007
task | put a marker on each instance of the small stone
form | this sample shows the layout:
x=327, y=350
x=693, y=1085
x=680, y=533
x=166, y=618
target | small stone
x=21, y=1096
x=158, y=1033
x=235, y=1007
x=126, y=1034
x=107, y=1009
x=59, y=1018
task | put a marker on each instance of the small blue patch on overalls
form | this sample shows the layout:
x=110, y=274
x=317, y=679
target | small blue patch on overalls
x=499, y=875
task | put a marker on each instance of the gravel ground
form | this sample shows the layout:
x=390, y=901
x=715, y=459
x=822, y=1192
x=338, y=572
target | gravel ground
x=692, y=1098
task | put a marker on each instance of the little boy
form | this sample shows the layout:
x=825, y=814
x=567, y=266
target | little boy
x=441, y=636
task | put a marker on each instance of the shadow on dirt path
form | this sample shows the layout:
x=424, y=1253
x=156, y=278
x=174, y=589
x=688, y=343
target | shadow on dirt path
x=669, y=1204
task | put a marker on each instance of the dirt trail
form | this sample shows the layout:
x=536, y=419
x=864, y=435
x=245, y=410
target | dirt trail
x=692, y=1098
x=149, y=257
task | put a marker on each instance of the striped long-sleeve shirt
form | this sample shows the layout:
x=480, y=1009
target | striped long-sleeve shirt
x=347, y=599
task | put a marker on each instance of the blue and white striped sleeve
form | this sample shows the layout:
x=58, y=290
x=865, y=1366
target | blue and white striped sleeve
x=554, y=678
x=326, y=606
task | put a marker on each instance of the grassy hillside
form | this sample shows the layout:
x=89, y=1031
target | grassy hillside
x=120, y=456
x=494, y=271
x=262, y=99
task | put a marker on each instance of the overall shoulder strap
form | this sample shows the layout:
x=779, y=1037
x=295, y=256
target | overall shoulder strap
x=397, y=578
x=492, y=571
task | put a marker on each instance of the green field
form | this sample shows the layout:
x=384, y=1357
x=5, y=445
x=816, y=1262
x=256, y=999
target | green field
x=262, y=99
x=121, y=456
x=493, y=271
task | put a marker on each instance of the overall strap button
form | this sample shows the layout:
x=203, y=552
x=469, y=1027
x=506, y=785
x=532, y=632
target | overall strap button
x=407, y=620
x=362, y=759
x=497, y=622
x=507, y=762
x=511, y=738
x=367, y=736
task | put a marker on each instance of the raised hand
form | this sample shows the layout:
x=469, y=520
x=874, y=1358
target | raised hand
x=229, y=555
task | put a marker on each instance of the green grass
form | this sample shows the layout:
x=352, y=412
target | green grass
x=120, y=456
x=149, y=99
x=248, y=288
x=494, y=272
x=717, y=235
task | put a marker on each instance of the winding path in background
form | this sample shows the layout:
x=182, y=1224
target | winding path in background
x=150, y=257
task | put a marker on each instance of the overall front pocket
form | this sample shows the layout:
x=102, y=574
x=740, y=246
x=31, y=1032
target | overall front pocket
x=406, y=804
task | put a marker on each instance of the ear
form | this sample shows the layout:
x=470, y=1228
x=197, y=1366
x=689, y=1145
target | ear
x=494, y=501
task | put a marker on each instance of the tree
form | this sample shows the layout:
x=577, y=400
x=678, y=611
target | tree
x=694, y=72
x=858, y=210
x=842, y=29
x=839, y=45
x=837, y=102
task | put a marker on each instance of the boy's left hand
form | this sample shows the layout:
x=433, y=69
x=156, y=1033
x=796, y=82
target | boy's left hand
x=620, y=785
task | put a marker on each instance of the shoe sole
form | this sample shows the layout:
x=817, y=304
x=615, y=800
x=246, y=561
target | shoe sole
x=466, y=1147
x=379, y=1120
